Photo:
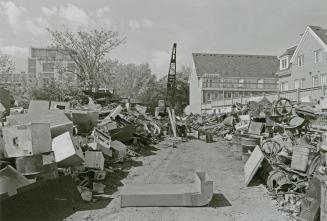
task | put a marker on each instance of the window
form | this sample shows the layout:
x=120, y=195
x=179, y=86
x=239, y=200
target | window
x=284, y=86
x=300, y=60
x=324, y=79
x=315, y=81
x=283, y=63
x=210, y=84
x=318, y=55
x=209, y=96
x=226, y=83
x=228, y=95
x=302, y=82
x=241, y=83
x=296, y=84
x=260, y=83
x=48, y=67
x=231, y=84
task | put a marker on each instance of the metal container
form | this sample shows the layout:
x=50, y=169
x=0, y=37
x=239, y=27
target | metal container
x=300, y=158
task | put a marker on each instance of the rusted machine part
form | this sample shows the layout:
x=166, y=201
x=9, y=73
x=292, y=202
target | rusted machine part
x=271, y=148
x=277, y=179
x=283, y=107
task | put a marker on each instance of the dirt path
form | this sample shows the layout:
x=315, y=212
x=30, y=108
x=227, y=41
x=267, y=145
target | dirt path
x=178, y=166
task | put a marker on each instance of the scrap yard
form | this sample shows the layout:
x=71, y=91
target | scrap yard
x=262, y=161
x=94, y=128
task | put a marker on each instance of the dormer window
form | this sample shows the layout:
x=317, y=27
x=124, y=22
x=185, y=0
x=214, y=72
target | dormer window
x=284, y=63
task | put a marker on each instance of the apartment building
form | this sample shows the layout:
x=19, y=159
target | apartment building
x=46, y=65
x=228, y=76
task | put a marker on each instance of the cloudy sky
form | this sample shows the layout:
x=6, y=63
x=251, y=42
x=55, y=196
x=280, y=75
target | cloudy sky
x=151, y=26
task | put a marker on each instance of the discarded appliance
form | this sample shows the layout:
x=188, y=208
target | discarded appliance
x=103, y=142
x=67, y=153
x=119, y=149
x=29, y=165
x=198, y=193
x=94, y=159
x=26, y=140
x=59, y=123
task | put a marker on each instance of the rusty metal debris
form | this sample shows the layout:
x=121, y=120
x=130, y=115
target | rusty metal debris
x=88, y=143
x=290, y=137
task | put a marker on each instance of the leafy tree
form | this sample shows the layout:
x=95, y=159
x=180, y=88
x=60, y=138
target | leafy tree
x=6, y=64
x=157, y=91
x=88, y=50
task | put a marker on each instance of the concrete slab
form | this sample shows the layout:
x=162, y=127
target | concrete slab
x=198, y=193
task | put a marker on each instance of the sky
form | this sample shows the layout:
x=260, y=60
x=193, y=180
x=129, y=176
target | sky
x=265, y=27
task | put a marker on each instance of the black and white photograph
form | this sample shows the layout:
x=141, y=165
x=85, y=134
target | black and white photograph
x=163, y=110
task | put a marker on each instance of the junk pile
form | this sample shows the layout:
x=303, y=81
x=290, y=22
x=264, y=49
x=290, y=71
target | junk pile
x=87, y=147
x=283, y=145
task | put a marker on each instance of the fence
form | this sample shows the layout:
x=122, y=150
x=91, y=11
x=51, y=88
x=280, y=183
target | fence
x=293, y=95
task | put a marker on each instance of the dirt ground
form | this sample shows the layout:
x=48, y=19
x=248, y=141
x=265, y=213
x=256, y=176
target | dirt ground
x=178, y=165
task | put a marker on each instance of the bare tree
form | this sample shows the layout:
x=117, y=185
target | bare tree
x=6, y=64
x=87, y=49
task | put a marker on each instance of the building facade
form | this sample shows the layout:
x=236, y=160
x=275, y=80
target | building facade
x=305, y=65
x=229, y=76
x=47, y=65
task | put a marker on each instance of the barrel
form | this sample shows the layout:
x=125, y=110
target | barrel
x=300, y=158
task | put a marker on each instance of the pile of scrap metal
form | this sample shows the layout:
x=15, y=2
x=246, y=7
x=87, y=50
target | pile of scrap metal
x=52, y=140
x=284, y=145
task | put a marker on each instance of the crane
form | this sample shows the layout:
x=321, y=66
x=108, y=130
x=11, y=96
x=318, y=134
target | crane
x=171, y=81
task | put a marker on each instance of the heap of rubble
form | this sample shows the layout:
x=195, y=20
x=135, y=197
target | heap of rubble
x=283, y=145
x=88, y=146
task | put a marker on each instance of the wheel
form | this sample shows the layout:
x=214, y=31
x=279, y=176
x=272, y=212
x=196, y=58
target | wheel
x=271, y=148
x=283, y=106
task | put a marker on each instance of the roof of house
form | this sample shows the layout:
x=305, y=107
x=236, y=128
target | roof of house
x=289, y=51
x=320, y=32
x=235, y=65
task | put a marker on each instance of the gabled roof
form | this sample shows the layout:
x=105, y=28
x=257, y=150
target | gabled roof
x=319, y=33
x=235, y=65
x=289, y=52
